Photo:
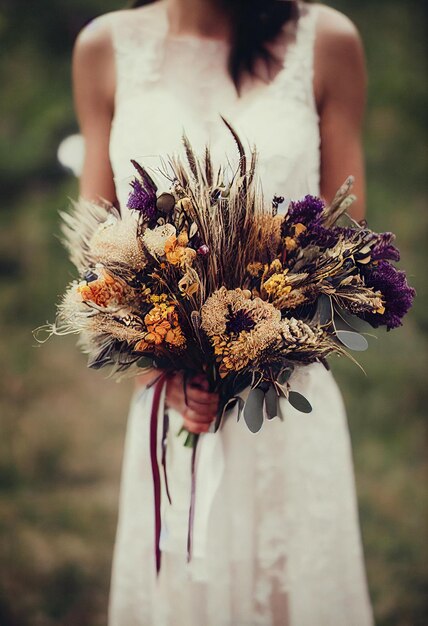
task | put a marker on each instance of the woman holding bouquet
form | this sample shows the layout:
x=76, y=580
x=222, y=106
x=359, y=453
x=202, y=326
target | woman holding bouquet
x=276, y=536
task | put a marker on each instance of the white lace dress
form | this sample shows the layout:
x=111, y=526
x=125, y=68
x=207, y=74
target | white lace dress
x=276, y=534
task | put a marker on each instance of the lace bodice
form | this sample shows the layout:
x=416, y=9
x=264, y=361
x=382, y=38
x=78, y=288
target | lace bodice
x=168, y=84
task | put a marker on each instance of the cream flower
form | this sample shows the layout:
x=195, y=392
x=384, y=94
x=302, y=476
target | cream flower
x=241, y=328
x=155, y=239
x=115, y=241
x=229, y=309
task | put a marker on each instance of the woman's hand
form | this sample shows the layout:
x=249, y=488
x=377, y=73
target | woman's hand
x=201, y=407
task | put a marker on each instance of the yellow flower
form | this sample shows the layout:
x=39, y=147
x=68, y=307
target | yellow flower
x=277, y=285
x=290, y=244
x=156, y=299
x=299, y=229
x=275, y=266
x=162, y=326
x=183, y=239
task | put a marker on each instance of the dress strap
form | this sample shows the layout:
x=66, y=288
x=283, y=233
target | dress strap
x=138, y=42
x=296, y=79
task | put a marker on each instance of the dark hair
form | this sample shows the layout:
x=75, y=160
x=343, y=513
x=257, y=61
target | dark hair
x=254, y=24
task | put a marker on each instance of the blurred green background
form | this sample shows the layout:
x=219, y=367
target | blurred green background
x=62, y=427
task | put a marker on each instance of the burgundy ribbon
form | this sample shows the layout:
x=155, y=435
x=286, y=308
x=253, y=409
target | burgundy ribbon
x=156, y=474
x=192, y=502
x=164, y=445
x=155, y=468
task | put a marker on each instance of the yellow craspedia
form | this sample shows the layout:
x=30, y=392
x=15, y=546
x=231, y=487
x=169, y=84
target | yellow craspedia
x=277, y=285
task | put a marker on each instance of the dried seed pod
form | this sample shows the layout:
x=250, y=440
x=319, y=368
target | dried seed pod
x=90, y=276
x=203, y=250
x=165, y=203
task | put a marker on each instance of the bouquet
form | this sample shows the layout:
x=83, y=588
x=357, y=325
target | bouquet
x=209, y=277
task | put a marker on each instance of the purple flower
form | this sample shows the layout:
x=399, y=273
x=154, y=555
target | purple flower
x=383, y=249
x=307, y=211
x=317, y=235
x=347, y=232
x=142, y=200
x=396, y=292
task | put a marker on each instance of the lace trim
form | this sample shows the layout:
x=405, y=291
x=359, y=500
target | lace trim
x=297, y=77
x=139, y=38
x=296, y=81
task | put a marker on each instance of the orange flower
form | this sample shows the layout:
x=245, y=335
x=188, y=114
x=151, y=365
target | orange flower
x=172, y=250
x=158, y=313
x=141, y=346
x=162, y=327
x=103, y=291
x=176, y=250
x=175, y=337
x=290, y=243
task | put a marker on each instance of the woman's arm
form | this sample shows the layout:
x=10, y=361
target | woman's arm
x=340, y=84
x=94, y=88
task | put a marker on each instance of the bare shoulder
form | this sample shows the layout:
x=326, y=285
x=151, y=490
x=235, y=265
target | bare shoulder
x=97, y=36
x=95, y=39
x=93, y=57
x=335, y=28
x=339, y=52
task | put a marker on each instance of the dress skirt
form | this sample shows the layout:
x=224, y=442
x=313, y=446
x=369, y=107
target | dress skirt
x=276, y=538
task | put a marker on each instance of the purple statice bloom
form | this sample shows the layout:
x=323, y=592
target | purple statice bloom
x=318, y=235
x=142, y=200
x=396, y=292
x=307, y=211
x=347, y=232
x=383, y=249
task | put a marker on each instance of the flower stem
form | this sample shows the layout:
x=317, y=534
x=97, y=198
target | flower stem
x=191, y=438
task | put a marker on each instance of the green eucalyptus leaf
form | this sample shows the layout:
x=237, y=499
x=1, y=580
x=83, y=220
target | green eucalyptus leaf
x=253, y=410
x=299, y=402
x=271, y=403
x=145, y=362
x=324, y=311
x=285, y=375
x=353, y=341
